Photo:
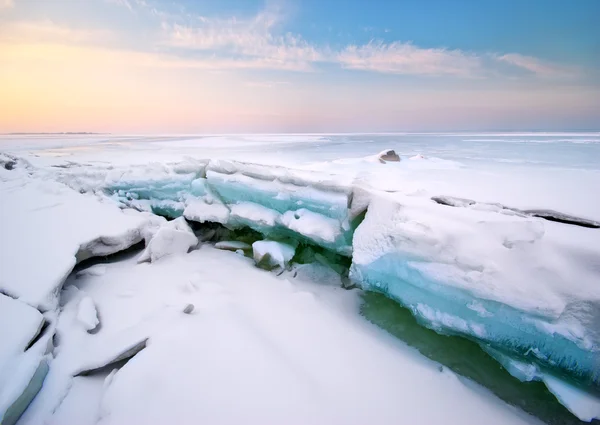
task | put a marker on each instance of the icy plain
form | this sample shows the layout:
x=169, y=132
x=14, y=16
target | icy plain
x=453, y=232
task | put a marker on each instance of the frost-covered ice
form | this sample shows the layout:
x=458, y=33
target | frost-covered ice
x=272, y=253
x=171, y=238
x=503, y=276
x=47, y=227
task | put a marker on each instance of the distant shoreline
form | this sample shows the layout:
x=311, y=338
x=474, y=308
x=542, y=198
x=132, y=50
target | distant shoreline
x=59, y=133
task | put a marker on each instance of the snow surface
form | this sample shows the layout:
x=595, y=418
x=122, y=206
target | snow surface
x=46, y=228
x=86, y=314
x=259, y=349
x=516, y=282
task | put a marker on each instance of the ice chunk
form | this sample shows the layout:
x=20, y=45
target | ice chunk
x=175, y=237
x=271, y=254
x=22, y=370
x=232, y=245
x=204, y=211
x=56, y=226
x=492, y=277
x=86, y=313
x=583, y=405
x=312, y=225
x=254, y=214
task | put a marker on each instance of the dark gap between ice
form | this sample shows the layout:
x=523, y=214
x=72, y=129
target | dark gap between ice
x=549, y=215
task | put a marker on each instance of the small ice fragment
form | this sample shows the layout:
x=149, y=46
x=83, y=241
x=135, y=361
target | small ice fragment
x=271, y=254
x=87, y=314
x=174, y=237
x=232, y=245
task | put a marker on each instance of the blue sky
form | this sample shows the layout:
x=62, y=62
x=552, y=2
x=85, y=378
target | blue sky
x=299, y=65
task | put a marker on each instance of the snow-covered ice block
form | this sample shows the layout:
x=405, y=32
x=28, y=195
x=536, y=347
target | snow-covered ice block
x=271, y=254
x=276, y=190
x=514, y=282
x=254, y=215
x=52, y=225
x=314, y=226
x=206, y=211
x=174, y=237
x=22, y=371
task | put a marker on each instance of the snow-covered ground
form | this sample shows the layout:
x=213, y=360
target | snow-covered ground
x=214, y=339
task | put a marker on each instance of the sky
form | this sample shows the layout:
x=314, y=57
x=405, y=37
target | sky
x=214, y=66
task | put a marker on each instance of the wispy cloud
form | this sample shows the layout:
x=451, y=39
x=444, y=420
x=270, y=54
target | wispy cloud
x=537, y=66
x=244, y=40
x=189, y=40
x=408, y=59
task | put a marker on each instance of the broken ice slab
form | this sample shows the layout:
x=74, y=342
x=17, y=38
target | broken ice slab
x=271, y=254
x=57, y=227
x=173, y=237
x=491, y=277
x=118, y=349
x=582, y=404
x=22, y=370
x=274, y=201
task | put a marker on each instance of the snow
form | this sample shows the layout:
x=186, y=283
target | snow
x=279, y=351
x=173, y=237
x=211, y=212
x=22, y=368
x=535, y=284
x=272, y=253
x=254, y=213
x=312, y=225
x=86, y=314
x=49, y=222
x=489, y=268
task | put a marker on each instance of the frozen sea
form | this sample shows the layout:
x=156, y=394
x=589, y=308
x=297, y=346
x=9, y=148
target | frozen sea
x=382, y=306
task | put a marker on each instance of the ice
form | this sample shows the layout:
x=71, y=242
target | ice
x=494, y=270
x=22, y=368
x=204, y=211
x=582, y=404
x=173, y=237
x=86, y=314
x=270, y=254
x=511, y=281
x=312, y=225
x=56, y=226
x=232, y=245
x=254, y=215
